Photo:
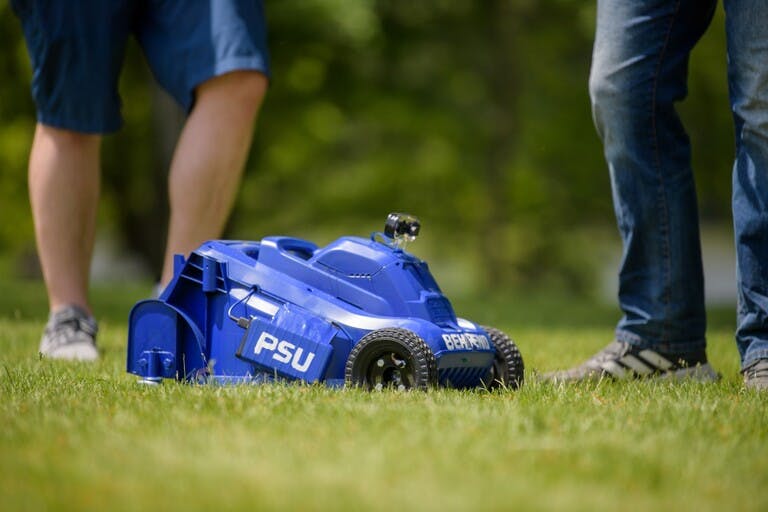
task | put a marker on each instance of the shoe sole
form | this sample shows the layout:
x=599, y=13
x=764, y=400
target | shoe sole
x=73, y=352
x=698, y=373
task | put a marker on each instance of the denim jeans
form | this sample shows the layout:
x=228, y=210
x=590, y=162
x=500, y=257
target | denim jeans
x=639, y=70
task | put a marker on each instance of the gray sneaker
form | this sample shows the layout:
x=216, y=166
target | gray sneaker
x=620, y=360
x=756, y=375
x=70, y=334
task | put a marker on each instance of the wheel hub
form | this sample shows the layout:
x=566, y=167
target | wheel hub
x=390, y=370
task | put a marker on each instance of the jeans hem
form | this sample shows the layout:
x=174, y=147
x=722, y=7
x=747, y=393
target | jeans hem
x=754, y=357
x=663, y=347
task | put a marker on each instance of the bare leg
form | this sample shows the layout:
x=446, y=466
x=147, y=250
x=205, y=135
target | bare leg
x=64, y=181
x=209, y=160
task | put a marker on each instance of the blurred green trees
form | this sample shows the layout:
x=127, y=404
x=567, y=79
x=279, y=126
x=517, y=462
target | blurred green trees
x=472, y=115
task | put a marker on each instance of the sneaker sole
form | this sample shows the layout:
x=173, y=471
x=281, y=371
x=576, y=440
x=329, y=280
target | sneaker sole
x=73, y=352
x=698, y=373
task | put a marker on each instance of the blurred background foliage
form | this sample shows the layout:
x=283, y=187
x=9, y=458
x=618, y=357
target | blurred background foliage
x=472, y=115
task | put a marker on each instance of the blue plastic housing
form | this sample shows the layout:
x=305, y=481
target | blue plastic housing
x=240, y=311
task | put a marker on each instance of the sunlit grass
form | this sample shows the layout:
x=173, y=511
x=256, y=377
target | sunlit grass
x=78, y=436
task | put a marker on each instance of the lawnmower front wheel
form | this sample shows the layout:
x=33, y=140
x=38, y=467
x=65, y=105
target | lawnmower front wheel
x=392, y=358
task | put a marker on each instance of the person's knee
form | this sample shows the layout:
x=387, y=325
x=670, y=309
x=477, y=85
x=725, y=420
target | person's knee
x=245, y=89
x=749, y=103
x=68, y=140
x=606, y=92
x=601, y=88
x=618, y=103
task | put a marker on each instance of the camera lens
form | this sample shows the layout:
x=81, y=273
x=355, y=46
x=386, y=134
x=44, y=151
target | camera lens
x=402, y=225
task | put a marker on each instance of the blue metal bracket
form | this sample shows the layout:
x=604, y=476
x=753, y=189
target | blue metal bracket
x=155, y=365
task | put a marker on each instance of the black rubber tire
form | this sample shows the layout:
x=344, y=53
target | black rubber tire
x=391, y=358
x=508, y=368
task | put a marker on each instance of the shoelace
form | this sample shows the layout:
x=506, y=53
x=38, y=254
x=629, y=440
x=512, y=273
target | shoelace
x=612, y=351
x=759, y=369
x=74, y=322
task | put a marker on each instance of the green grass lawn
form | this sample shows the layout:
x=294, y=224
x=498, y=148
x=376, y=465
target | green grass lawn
x=79, y=436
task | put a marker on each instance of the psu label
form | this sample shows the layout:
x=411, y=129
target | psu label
x=289, y=354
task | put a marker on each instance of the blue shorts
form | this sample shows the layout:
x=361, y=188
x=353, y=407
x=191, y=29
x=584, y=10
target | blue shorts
x=77, y=48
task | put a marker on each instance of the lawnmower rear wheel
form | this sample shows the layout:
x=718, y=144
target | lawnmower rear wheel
x=508, y=368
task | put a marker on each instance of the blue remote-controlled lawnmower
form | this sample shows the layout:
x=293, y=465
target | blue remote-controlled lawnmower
x=361, y=312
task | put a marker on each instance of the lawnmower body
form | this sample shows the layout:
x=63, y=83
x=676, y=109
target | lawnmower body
x=283, y=308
